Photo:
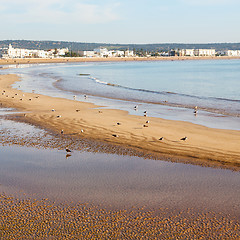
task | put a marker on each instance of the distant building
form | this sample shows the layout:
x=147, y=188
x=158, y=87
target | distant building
x=233, y=53
x=206, y=52
x=87, y=53
x=197, y=52
x=187, y=52
x=26, y=53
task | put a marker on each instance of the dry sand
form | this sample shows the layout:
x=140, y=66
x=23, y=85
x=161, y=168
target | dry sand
x=203, y=143
x=100, y=59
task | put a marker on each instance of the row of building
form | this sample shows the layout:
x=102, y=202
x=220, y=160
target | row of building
x=104, y=52
x=29, y=53
x=208, y=52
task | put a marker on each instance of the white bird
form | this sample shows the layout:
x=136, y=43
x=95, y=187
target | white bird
x=62, y=131
x=58, y=116
x=82, y=131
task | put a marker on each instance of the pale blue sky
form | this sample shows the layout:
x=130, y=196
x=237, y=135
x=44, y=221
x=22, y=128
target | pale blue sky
x=121, y=21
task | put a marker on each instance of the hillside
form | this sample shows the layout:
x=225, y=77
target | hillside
x=77, y=46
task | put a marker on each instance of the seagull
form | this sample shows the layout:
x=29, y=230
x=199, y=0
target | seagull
x=161, y=138
x=62, y=131
x=85, y=96
x=147, y=121
x=68, y=150
x=145, y=112
x=118, y=123
x=145, y=125
x=115, y=135
x=136, y=107
x=53, y=110
x=77, y=110
x=58, y=116
x=82, y=131
x=184, y=139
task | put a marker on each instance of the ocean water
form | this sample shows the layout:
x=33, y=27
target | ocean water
x=168, y=89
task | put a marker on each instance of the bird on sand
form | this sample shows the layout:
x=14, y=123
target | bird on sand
x=68, y=150
x=161, y=138
x=62, y=131
x=184, y=139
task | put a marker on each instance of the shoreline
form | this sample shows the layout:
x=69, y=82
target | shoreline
x=203, y=144
x=11, y=61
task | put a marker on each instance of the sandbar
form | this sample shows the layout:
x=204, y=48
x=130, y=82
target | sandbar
x=85, y=120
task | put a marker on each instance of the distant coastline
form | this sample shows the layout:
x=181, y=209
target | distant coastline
x=11, y=61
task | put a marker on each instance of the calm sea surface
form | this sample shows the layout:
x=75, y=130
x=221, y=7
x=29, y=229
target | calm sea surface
x=168, y=89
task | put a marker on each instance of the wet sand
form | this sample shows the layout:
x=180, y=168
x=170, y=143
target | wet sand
x=84, y=120
x=25, y=217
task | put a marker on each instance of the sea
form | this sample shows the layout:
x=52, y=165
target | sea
x=165, y=89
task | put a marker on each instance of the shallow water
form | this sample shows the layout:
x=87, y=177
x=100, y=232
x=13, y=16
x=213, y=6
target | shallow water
x=110, y=180
x=117, y=181
x=211, y=85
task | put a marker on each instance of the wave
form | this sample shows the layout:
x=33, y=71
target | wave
x=161, y=92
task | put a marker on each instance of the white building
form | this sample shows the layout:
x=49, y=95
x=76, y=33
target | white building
x=197, y=52
x=187, y=52
x=26, y=53
x=88, y=53
x=233, y=53
x=207, y=52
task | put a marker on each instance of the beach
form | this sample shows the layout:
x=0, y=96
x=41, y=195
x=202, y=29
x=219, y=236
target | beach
x=123, y=194
x=86, y=120
x=101, y=59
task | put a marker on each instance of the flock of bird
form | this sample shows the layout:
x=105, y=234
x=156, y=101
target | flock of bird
x=118, y=123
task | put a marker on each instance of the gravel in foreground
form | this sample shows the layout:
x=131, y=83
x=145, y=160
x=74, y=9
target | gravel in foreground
x=34, y=219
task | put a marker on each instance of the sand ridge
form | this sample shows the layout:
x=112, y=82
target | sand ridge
x=82, y=119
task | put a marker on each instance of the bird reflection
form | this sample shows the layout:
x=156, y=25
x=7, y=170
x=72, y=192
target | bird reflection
x=68, y=155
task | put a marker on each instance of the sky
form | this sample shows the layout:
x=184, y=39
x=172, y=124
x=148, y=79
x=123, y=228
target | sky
x=121, y=21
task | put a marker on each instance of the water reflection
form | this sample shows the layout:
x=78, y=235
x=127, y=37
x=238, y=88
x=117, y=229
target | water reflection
x=114, y=180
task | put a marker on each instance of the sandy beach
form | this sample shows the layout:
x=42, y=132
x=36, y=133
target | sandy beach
x=100, y=59
x=85, y=120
